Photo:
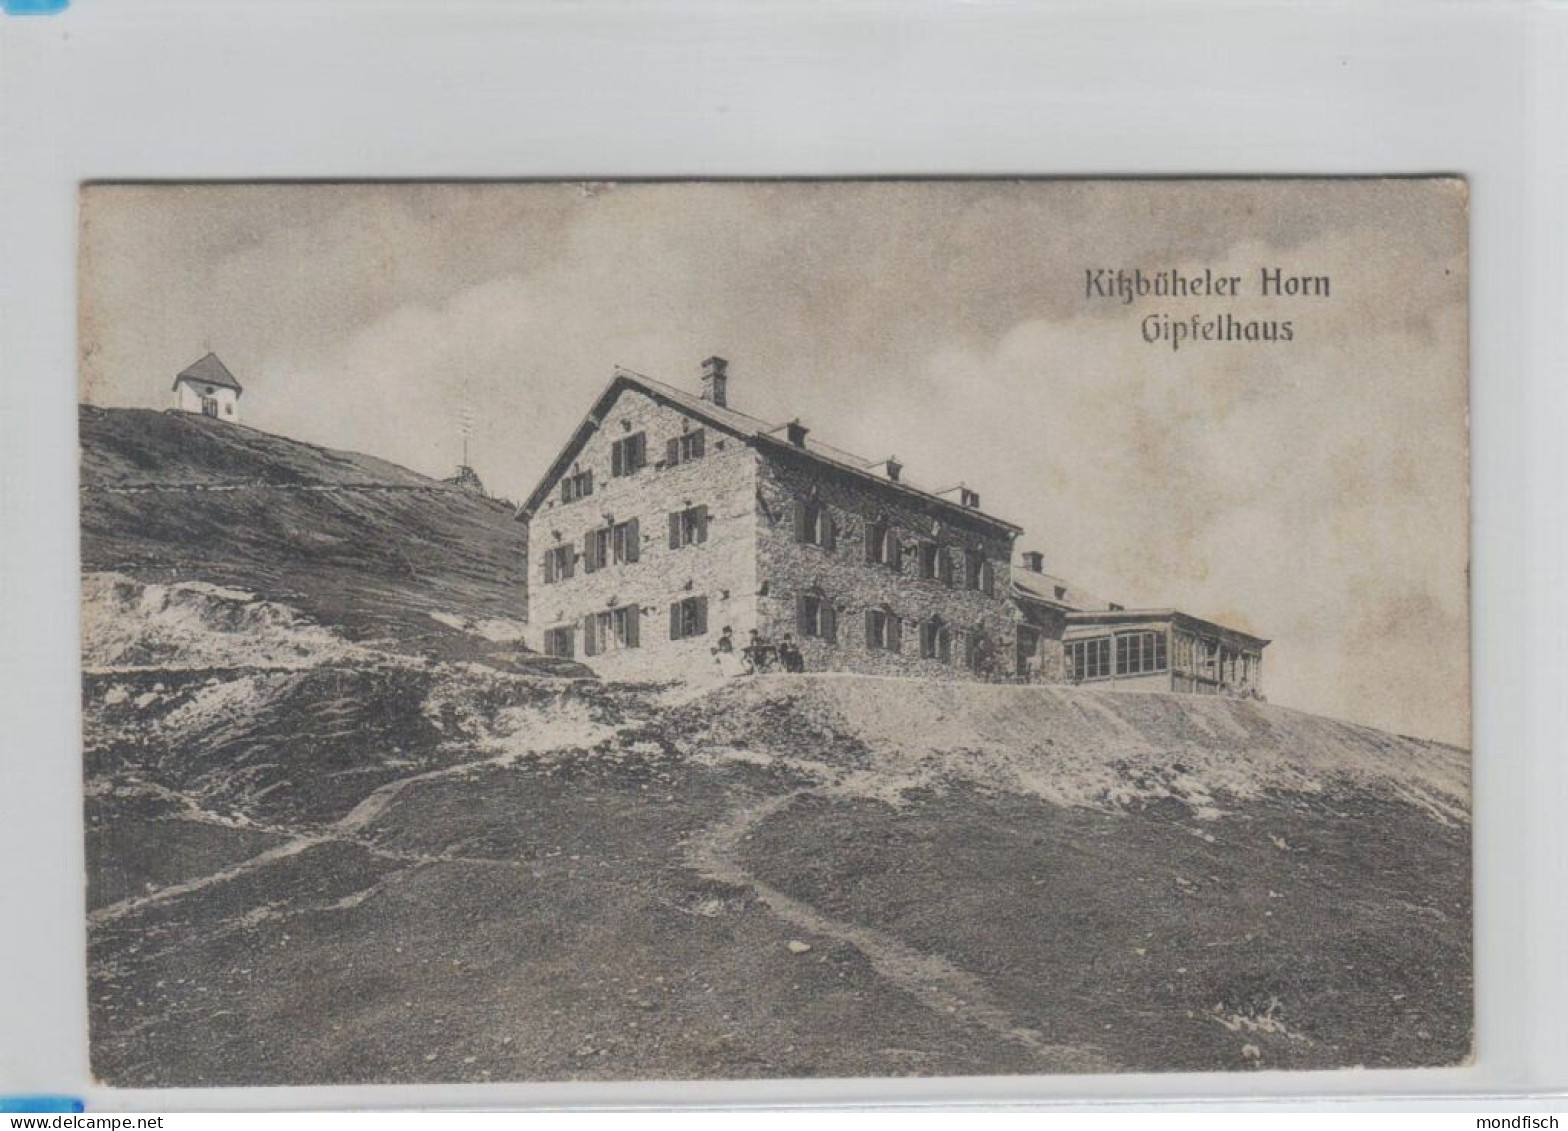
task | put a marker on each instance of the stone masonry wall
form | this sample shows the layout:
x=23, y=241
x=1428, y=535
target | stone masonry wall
x=724, y=568
x=843, y=576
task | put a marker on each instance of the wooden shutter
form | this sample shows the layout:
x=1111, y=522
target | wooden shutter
x=675, y=530
x=987, y=578
x=590, y=551
x=829, y=620
x=549, y=567
x=894, y=633
x=672, y=453
x=675, y=620
x=702, y=523
x=802, y=534
x=618, y=458
x=829, y=530
x=800, y=614
x=568, y=561
x=590, y=638
x=872, y=533
x=699, y=445
x=702, y=615
x=871, y=615
x=633, y=541
x=633, y=626
x=895, y=551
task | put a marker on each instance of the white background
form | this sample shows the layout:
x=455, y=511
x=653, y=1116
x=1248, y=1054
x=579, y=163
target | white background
x=281, y=89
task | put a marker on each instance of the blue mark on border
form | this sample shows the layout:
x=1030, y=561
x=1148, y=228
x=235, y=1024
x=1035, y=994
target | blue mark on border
x=37, y=1104
x=34, y=8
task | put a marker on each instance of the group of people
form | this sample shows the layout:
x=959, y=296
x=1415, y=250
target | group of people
x=759, y=654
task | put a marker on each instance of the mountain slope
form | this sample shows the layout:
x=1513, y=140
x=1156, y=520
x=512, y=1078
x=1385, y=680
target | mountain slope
x=322, y=849
x=369, y=548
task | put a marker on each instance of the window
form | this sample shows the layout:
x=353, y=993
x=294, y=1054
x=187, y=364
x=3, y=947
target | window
x=882, y=547
x=611, y=630
x=1089, y=659
x=944, y=566
x=689, y=617
x=1208, y=658
x=814, y=524
x=577, y=485
x=619, y=544
x=936, y=641
x=688, y=527
x=559, y=561
x=1139, y=652
x=978, y=572
x=930, y=556
x=629, y=454
x=558, y=642
x=884, y=631
x=625, y=542
x=686, y=447
x=209, y=405
x=815, y=617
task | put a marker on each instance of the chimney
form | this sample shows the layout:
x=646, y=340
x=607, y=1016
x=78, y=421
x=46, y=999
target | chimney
x=797, y=433
x=962, y=495
x=714, y=378
x=889, y=467
x=1034, y=561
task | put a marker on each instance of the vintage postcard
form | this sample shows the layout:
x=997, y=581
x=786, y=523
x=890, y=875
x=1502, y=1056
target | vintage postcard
x=713, y=630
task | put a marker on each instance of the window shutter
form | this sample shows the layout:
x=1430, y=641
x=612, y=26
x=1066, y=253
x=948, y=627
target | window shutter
x=549, y=568
x=829, y=530
x=675, y=620
x=895, y=552
x=590, y=551
x=870, y=615
x=987, y=578
x=633, y=626
x=829, y=622
x=801, y=533
x=675, y=530
x=618, y=458
x=672, y=453
x=895, y=633
x=800, y=613
x=871, y=543
x=702, y=616
x=702, y=523
x=568, y=561
x=633, y=541
x=699, y=444
x=590, y=639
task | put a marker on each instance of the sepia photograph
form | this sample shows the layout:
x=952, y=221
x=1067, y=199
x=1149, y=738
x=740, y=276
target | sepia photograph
x=714, y=630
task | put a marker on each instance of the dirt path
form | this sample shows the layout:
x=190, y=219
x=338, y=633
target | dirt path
x=935, y=982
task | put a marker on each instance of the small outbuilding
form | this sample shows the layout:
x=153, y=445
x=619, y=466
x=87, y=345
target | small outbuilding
x=207, y=387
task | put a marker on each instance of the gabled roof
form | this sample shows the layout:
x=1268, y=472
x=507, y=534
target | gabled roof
x=743, y=426
x=1042, y=587
x=208, y=371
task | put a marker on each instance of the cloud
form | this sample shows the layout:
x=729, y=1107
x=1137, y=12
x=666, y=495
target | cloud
x=1312, y=491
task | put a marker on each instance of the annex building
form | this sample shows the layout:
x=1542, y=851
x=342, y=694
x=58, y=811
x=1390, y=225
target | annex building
x=670, y=520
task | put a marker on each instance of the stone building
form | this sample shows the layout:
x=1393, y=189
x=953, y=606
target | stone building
x=208, y=388
x=671, y=521
x=669, y=518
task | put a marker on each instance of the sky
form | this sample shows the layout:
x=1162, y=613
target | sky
x=1314, y=492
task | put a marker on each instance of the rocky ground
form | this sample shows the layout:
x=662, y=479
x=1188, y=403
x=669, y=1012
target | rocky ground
x=372, y=839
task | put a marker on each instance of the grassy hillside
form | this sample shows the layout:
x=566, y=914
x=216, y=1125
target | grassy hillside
x=371, y=549
x=322, y=851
